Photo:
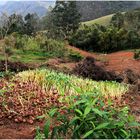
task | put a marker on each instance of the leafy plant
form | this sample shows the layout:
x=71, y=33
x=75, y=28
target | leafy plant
x=75, y=56
x=136, y=54
x=88, y=118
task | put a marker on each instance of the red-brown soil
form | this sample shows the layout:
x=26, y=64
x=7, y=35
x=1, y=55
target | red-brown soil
x=11, y=130
x=122, y=60
x=118, y=62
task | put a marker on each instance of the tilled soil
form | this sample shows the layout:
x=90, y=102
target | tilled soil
x=11, y=130
x=118, y=62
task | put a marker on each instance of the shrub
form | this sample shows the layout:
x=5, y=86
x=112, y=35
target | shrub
x=136, y=55
x=40, y=43
x=88, y=69
x=75, y=56
x=56, y=48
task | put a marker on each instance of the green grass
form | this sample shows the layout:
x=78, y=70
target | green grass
x=28, y=56
x=105, y=20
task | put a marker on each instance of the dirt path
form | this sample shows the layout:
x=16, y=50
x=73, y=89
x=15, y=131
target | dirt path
x=118, y=61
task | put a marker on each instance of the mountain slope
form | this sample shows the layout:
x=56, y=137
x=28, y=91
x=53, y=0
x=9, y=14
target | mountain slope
x=24, y=7
x=90, y=10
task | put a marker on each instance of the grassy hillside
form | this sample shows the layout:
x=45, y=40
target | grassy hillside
x=105, y=20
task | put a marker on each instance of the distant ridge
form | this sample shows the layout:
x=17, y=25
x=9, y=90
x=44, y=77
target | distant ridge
x=90, y=10
x=24, y=7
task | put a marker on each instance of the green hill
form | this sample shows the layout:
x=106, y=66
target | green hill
x=105, y=20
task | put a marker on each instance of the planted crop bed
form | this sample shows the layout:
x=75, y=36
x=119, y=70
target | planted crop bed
x=39, y=95
x=32, y=93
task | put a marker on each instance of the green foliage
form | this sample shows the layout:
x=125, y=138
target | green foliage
x=104, y=39
x=88, y=118
x=66, y=17
x=75, y=56
x=136, y=54
x=118, y=20
x=56, y=48
x=18, y=25
x=6, y=74
x=21, y=41
x=132, y=20
x=71, y=84
x=39, y=44
x=39, y=135
x=62, y=20
x=31, y=24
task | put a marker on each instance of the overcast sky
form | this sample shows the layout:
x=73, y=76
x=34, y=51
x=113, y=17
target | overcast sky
x=4, y=1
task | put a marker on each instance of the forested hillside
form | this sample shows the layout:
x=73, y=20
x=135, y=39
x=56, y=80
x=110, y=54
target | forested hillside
x=94, y=9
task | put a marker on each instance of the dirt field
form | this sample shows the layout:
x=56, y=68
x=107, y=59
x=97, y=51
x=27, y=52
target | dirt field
x=117, y=61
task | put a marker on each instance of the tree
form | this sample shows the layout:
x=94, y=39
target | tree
x=49, y=27
x=66, y=17
x=132, y=18
x=117, y=20
x=133, y=39
x=31, y=23
x=5, y=25
x=18, y=25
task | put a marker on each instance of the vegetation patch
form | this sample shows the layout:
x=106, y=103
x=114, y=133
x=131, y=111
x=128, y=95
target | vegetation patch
x=88, y=68
x=137, y=54
x=70, y=84
x=33, y=93
x=89, y=117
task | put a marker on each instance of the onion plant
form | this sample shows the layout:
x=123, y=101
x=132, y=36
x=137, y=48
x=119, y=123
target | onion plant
x=70, y=84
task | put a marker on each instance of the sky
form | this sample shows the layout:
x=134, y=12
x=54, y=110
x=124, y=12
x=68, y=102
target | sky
x=4, y=1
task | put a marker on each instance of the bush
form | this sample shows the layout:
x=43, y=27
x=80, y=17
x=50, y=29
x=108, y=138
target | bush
x=75, y=56
x=56, y=48
x=40, y=43
x=88, y=69
x=136, y=55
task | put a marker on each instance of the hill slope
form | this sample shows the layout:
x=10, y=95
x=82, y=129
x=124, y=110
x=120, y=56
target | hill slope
x=94, y=9
x=105, y=20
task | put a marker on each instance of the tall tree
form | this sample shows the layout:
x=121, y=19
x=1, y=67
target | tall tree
x=66, y=17
x=6, y=23
x=18, y=25
x=117, y=20
x=31, y=23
